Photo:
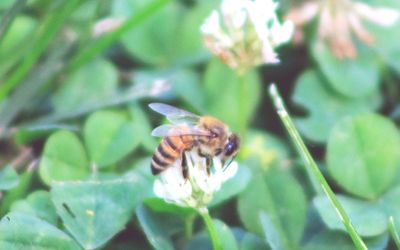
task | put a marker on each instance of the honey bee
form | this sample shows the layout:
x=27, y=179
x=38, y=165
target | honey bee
x=210, y=136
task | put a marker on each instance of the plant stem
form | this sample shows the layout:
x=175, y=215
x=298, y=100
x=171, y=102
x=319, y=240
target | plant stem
x=393, y=232
x=210, y=228
x=312, y=166
x=189, y=227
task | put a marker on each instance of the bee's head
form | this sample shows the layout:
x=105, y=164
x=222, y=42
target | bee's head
x=232, y=146
x=218, y=130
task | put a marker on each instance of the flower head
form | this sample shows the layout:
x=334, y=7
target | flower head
x=339, y=20
x=196, y=191
x=244, y=33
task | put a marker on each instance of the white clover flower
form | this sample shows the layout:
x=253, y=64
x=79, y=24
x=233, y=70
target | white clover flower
x=197, y=191
x=338, y=20
x=244, y=33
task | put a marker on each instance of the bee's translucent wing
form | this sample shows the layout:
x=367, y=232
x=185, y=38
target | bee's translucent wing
x=173, y=114
x=176, y=130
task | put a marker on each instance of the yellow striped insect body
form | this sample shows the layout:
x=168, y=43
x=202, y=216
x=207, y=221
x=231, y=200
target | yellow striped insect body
x=210, y=136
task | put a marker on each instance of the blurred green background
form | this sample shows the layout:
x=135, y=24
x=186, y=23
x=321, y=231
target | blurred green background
x=75, y=80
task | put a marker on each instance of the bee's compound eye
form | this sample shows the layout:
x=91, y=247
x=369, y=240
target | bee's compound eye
x=230, y=148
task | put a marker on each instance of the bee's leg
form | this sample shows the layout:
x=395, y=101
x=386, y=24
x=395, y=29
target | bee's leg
x=208, y=164
x=208, y=161
x=184, y=166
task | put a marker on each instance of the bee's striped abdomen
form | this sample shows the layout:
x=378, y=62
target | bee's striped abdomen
x=167, y=153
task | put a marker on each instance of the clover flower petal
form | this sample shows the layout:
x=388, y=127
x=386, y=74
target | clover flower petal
x=338, y=20
x=198, y=189
x=244, y=33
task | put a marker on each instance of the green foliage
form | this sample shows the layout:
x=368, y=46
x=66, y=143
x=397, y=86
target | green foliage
x=78, y=101
x=352, y=78
x=271, y=234
x=363, y=154
x=39, y=205
x=22, y=231
x=111, y=141
x=55, y=165
x=368, y=218
x=277, y=202
x=8, y=178
x=154, y=227
x=234, y=104
x=312, y=92
x=233, y=186
x=90, y=84
x=94, y=211
x=184, y=84
x=225, y=235
x=13, y=44
x=167, y=38
x=326, y=239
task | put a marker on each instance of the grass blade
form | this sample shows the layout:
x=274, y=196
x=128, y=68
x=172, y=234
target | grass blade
x=104, y=42
x=136, y=92
x=312, y=166
x=29, y=88
x=8, y=17
x=44, y=36
x=393, y=232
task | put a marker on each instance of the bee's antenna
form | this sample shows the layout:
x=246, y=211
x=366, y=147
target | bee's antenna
x=225, y=167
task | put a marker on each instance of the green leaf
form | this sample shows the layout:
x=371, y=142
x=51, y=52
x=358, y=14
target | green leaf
x=154, y=228
x=385, y=44
x=233, y=186
x=367, y=218
x=37, y=204
x=23, y=231
x=354, y=78
x=109, y=136
x=249, y=241
x=63, y=158
x=155, y=37
x=160, y=206
x=363, y=154
x=143, y=127
x=386, y=36
x=225, y=235
x=390, y=204
x=264, y=147
x=267, y=194
x=271, y=235
x=226, y=94
x=140, y=172
x=326, y=240
x=168, y=36
x=8, y=178
x=199, y=242
x=16, y=193
x=94, y=211
x=90, y=84
x=324, y=106
x=184, y=83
